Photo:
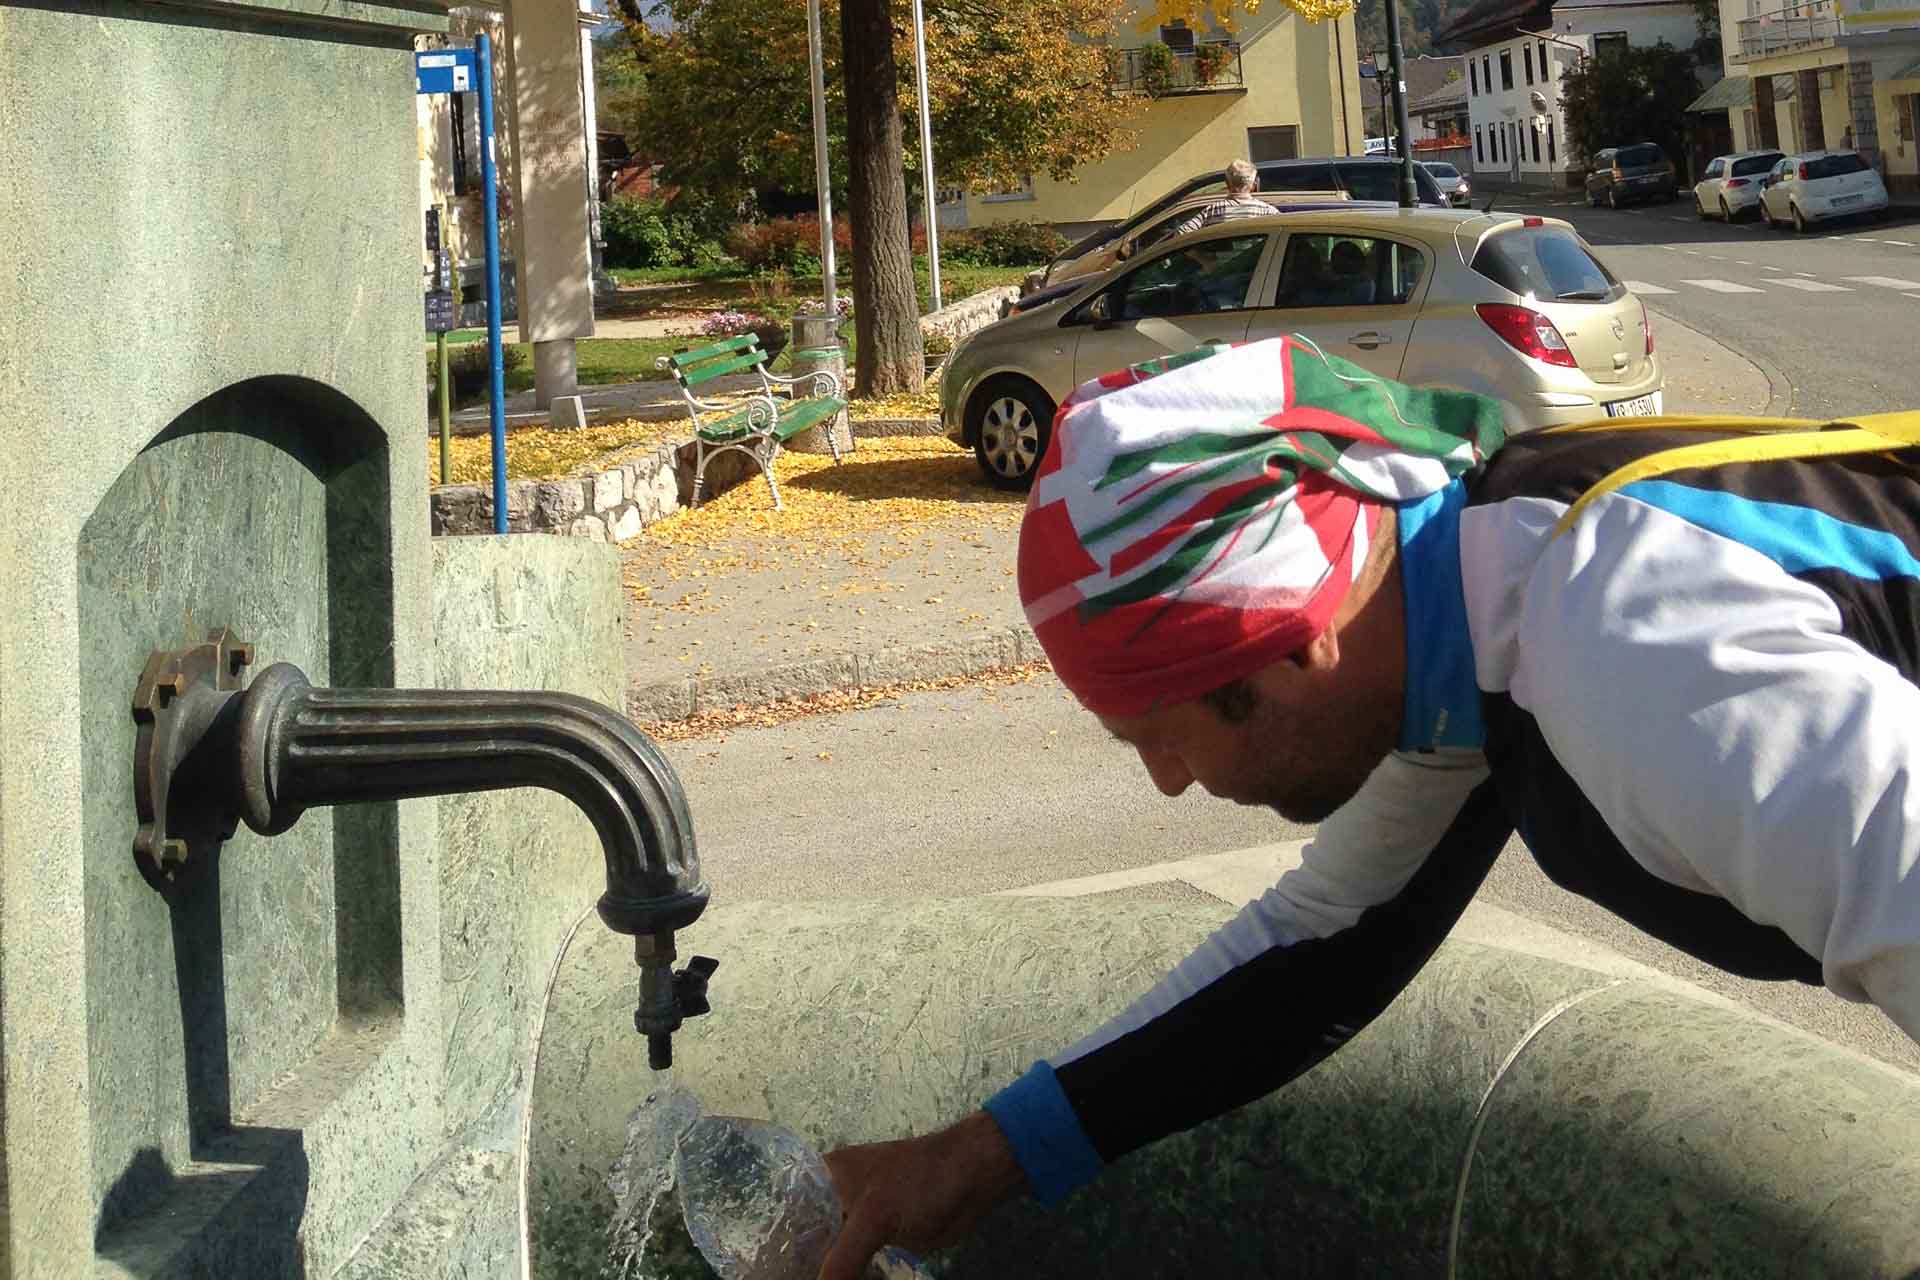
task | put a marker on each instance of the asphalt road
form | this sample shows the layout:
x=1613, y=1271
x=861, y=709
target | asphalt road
x=1833, y=315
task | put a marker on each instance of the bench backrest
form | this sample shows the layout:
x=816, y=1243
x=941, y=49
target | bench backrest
x=703, y=364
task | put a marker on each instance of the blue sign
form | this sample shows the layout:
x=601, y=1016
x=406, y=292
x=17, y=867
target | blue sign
x=444, y=71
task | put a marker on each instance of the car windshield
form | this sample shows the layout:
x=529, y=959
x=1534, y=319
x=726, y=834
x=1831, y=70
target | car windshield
x=1545, y=263
x=1639, y=157
x=1835, y=166
x=1754, y=164
x=1443, y=171
x=1381, y=181
x=1308, y=176
x=1099, y=239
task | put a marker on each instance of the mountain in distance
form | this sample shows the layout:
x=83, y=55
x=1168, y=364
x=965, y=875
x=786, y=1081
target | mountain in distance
x=1419, y=19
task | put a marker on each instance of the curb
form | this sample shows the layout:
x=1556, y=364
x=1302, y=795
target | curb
x=1779, y=386
x=833, y=673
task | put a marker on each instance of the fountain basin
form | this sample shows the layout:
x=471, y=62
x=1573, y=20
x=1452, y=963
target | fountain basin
x=1507, y=1116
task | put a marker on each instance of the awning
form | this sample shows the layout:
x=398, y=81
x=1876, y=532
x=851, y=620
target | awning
x=1736, y=92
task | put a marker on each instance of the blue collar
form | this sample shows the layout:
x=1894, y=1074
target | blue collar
x=1443, y=697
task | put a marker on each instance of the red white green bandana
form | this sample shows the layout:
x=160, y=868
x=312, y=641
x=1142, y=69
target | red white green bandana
x=1200, y=517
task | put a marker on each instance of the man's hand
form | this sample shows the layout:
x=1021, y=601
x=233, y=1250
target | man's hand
x=918, y=1193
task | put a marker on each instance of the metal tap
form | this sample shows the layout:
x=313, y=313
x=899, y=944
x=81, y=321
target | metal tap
x=209, y=755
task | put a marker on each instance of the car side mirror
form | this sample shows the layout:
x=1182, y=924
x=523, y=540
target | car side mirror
x=1100, y=311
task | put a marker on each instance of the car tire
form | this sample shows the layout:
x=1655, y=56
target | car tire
x=1009, y=420
x=1726, y=214
x=1800, y=224
x=1613, y=200
x=1593, y=201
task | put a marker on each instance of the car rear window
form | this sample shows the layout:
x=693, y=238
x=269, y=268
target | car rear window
x=1381, y=181
x=1754, y=164
x=1835, y=166
x=1546, y=263
x=1640, y=157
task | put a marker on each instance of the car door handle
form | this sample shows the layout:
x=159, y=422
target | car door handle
x=1370, y=339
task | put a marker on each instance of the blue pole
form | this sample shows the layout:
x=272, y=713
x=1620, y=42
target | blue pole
x=496, y=368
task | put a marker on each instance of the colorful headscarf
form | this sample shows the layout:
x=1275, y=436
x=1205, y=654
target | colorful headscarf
x=1200, y=517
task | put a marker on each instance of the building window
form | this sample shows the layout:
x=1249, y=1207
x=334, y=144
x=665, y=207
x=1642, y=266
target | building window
x=1908, y=106
x=1177, y=35
x=1506, y=68
x=1273, y=142
x=1551, y=157
x=1473, y=80
x=1536, y=144
x=1526, y=62
x=1020, y=189
x=1543, y=62
x=1479, y=152
x=1605, y=46
x=1486, y=72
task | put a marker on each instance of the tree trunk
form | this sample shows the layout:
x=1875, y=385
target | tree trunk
x=886, y=306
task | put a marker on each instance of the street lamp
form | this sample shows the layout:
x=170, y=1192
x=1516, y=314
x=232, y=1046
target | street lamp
x=1407, y=196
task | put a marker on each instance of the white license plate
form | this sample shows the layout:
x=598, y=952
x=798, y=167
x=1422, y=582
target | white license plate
x=1847, y=199
x=1646, y=406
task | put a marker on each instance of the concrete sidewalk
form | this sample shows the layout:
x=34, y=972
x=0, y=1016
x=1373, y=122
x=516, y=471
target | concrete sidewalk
x=821, y=600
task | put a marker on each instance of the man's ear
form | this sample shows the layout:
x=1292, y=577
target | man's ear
x=1322, y=653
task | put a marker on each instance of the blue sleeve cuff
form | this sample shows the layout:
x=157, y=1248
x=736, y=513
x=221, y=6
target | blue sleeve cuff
x=1045, y=1134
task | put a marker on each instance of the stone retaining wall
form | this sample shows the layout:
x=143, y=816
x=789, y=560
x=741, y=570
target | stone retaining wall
x=972, y=313
x=610, y=505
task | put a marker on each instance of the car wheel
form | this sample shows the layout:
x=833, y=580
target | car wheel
x=1613, y=200
x=1593, y=201
x=1799, y=219
x=1010, y=421
x=1698, y=208
x=1726, y=214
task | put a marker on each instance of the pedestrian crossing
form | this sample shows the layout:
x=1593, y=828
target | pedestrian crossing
x=1709, y=284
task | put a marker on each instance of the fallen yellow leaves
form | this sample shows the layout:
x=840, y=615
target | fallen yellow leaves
x=708, y=724
x=891, y=484
x=919, y=404
x=541, y=453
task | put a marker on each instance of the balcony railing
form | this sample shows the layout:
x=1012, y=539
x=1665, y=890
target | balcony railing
x=1795, y=27
x=1158, y=70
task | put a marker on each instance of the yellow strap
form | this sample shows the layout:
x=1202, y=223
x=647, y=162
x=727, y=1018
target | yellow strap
x=1771, y=439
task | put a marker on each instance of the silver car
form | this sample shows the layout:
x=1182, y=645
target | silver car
x=1515, y=308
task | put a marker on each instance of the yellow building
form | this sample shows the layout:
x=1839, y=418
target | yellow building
x=1279, y=86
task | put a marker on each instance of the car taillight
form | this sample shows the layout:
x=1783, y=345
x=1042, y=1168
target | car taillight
x=1647, y=323
x=1736, y=182
x=1528, y=332
x=1803, y=173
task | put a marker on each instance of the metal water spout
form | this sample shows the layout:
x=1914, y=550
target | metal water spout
x=210, y=754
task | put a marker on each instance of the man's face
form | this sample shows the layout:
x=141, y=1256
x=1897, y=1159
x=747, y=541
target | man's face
x=1303, y=750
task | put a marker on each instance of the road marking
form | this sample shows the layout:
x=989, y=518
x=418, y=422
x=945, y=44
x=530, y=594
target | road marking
x=1649, y=290
x=1864, y=239
x=1721, y=286
x=1904, y=244
x=1674, y=217
x=1738, y=263
x=1812, y=286
x=1885, y=282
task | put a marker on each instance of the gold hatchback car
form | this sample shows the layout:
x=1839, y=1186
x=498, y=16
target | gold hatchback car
x=1515, y=308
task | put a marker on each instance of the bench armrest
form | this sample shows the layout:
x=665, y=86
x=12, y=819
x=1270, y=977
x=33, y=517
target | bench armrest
x=825, y=382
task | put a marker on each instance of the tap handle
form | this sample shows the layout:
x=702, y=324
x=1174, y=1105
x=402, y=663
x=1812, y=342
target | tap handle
x=690, y=986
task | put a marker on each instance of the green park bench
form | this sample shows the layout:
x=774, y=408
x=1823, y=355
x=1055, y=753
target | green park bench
x=765, y=421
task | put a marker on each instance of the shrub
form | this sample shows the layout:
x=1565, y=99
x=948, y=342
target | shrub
x=642, y=233
x=467, y=370
x=792, y=243
x=1003, y=244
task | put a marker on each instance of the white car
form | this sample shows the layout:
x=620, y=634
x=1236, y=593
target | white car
x=1731, y=184
x=1818, y=185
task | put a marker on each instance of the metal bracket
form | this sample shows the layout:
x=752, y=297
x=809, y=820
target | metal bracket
x=181, y=695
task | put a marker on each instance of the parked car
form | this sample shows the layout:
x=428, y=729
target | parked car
x=1453, y=184
x=1819, y=185
x=1516, y=308
x=1621, y=175
x=1731, y=184
x=1374, y=178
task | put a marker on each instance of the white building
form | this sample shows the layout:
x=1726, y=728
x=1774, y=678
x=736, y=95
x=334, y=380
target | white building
x=1518, y=52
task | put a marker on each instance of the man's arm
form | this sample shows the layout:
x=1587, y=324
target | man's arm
x=1279, y=987
x=1734, y=739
